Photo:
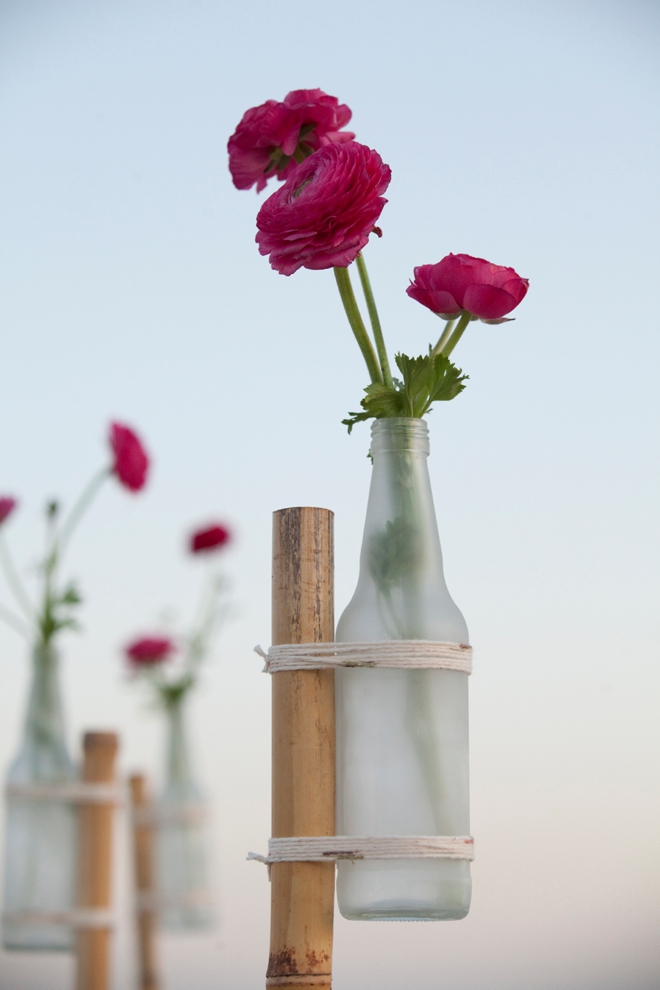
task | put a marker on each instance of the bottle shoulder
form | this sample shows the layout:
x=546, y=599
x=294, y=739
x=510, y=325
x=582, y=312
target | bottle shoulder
x=429, y=614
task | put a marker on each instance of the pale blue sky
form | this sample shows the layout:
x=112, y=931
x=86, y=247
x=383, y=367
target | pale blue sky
x=130, y=287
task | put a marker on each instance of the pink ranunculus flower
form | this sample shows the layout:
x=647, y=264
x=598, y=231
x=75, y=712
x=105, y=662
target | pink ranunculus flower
x=7, y=506
x=462, y=283
x=324, y=213
x=149, y=650
x=131, y=462
x=273, y=138
x=210, y=538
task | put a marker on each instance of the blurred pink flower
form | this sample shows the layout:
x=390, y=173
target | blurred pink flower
x=273, y=138
x=210, y=538
x=131, y=462
x=324, y=213
x=149, y=650
x=7, y=506
x=461, y=282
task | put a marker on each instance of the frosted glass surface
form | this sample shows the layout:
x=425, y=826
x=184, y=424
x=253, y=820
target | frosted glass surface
x=402, y=736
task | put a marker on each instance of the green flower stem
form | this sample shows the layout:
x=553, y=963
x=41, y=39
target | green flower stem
x=78, y=512
x=446, y=334
x=357, y=324
x=457, y=334
x=375, y=321
x=13, y=579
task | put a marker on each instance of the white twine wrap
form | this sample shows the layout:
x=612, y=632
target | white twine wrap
x=77, y=792
x=327, y=848
x=185, y=814
x=82, y=917
x=402, y=654
x=407, y=654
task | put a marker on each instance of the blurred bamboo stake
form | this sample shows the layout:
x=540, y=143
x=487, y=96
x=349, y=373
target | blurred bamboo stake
x=143, y=839
x=302, y=894
x=95, y=861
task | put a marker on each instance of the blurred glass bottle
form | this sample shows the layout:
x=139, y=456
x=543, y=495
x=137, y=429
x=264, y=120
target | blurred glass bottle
x=40, y=862
x=182, y=844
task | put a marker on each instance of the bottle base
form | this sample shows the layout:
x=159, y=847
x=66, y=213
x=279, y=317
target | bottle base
x=37, y=938
x=397, y=912
x=404, y=890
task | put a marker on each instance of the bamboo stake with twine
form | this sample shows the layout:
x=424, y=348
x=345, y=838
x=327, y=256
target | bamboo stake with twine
x=145, y=888
x=302, y=894
x=95, y=861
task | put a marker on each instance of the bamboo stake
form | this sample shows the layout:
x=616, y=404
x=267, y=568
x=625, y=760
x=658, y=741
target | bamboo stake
x=302, y=894
x=143, y=837
x=95, y=861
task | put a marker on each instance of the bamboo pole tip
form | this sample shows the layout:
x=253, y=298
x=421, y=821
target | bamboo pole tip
x=302, y=509
x=100, y=740
x=290, y=523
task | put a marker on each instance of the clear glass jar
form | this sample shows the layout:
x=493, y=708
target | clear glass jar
x=402, y=735
x=40, y=857
x=182, y=846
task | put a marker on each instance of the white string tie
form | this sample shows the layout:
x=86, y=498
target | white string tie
x=402, y=654
x=329, y=848
x=75, y=792
x=81, y=917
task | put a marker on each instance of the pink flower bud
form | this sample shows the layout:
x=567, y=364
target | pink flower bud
x=131, y=462
x=210, y=538
x=323, y=215
x=7, y=506
x=269, y=136
x=149, y=650
x=460, y=282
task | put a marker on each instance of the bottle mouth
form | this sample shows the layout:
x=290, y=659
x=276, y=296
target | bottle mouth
x=399, y=433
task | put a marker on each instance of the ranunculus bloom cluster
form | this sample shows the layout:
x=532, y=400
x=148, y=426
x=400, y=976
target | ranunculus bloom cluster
x=324, y=213
x=210, y=538
x=7, y=506
x=150, y=650
x=131, y=462
x=461, y=282
x=273, y=138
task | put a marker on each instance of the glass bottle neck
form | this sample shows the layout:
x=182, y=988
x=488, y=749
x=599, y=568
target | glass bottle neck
x=44, y=720
x=179, y=779
x=401, y=543
x=43, y=754
x=399, y=435
x=401, y=592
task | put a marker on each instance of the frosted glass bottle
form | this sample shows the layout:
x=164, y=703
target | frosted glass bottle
x=182, y=848
x=402, y=735
x=40, y=863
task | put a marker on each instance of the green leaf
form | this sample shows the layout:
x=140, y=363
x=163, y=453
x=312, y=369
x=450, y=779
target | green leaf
x=355, y=418
x=446, y=380
x=426, y=379
x=70, y=595
x=394, y=553
x=171, y=692
x=416, y=376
